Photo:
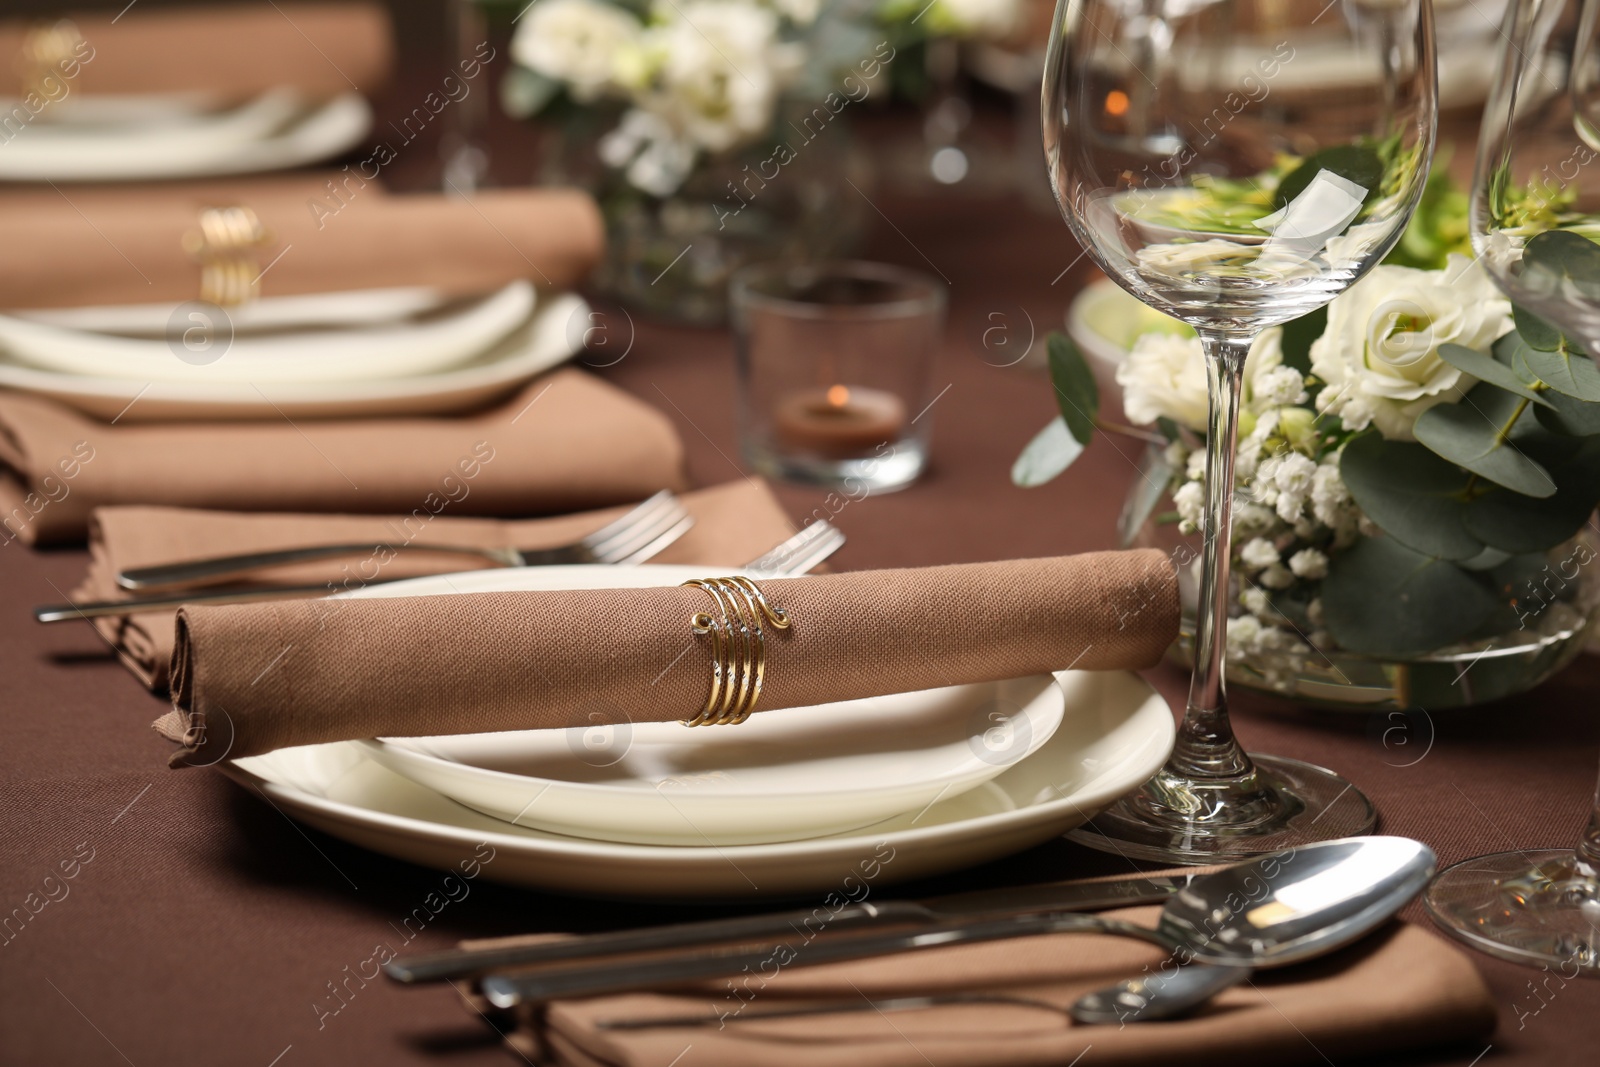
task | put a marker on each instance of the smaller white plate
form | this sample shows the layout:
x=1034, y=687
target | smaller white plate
x=242, y=141
x=547, y=339
x=1117, y=732
x=784, y=775
x=362, y=351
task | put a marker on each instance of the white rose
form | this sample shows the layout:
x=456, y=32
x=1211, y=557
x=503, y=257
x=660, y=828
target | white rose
x=721, y=70
x=575, y=42
x=1164, y=375
x=1379, y=357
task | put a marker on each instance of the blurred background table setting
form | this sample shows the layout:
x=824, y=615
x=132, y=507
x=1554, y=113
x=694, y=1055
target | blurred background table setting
x=567, y=482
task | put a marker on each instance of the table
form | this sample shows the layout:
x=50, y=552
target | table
x=206, y=926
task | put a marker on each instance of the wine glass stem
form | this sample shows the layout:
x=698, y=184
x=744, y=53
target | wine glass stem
x=1588, y=850
x=1206, y=747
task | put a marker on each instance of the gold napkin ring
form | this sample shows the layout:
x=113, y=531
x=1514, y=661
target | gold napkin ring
x=47, y=49
x=738, y=647
x=227, y=246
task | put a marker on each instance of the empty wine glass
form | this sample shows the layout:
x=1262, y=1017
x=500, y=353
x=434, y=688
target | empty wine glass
x=1535, y=221
x=1235, y=164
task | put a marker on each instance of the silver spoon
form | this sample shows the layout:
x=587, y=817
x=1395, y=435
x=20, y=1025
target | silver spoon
x=1168, y=995
x=1268, y=912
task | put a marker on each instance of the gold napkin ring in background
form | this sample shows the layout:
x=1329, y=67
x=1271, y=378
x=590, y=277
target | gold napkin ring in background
x=738, y=647
x=47, y=48
x=227, y=246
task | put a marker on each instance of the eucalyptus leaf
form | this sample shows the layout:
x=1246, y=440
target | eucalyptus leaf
x=1384, y=599
x=1052, y=450
x=1569, y=415
x=1516, y=524
x=1077, y=395
x=1486, y=368
x=1535, y=331
x=1558, y=261
x=1573, y=375
x=1413, y=495
x=1509, y=350
x=1476, y=433
x=1358, y=163
x=1155, y=475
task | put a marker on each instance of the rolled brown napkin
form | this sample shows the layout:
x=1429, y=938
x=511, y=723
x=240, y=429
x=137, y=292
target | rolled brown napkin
x=265, y=676
x=1399, y=990
x=734, y=523
x=347, y=234
x=566, y=442
x=229, y=52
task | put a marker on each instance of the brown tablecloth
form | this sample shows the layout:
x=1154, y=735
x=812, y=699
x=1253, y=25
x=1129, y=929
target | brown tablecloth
x=207, y=927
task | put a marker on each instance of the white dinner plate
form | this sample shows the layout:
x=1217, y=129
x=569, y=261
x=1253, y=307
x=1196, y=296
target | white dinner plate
x=785, y=775
x=240, y=141
x=364, y=351
x=1116, y=733
x=545, y=341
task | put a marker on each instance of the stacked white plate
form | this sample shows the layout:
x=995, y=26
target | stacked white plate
x=147, y=138
x=373, y=352
x=793, y=801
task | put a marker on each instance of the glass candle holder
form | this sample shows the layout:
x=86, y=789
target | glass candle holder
x=835, y=366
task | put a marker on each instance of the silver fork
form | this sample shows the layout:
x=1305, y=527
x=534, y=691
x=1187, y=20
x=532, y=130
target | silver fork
x=794, y=556
x=632, y=538
x=813, y=544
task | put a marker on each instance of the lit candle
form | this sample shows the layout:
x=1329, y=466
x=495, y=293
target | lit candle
x=838, y=422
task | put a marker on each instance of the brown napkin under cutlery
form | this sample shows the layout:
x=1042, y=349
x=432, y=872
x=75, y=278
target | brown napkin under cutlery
x=255, y=677
x=1402, y=988
x=567, y=441
x=71, y=254
x=231, y=52
x=734, y=522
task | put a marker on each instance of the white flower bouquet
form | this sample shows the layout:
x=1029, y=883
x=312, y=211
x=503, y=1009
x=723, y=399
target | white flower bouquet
x=1415, y=467
x=691, y=79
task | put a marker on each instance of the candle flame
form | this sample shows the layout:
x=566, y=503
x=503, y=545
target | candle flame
x=1116, y=103
x=838, y=396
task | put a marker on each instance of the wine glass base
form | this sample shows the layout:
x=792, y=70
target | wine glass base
x=1537, y=907
x=1297, y=803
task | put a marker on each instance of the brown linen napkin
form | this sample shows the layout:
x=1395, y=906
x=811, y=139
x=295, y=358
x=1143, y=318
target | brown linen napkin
x=347, y=235
x=233, y=52
x=1400, y=989
x=269, y=675
x=566, y=442
x=734, y=523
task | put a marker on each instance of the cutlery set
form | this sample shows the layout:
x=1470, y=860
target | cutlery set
x=633, y=538
x=1218, y=927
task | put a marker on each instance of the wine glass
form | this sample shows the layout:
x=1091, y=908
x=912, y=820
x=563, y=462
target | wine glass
x=1537, y=192
x=1235, y=164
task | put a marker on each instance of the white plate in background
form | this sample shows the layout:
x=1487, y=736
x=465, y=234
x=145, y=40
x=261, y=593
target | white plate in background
x=546, y=340
x=366, y=350
x=238, y=141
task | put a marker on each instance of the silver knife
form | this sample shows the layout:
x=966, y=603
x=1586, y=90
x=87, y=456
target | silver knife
x=988, y=903
x=613, y=976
